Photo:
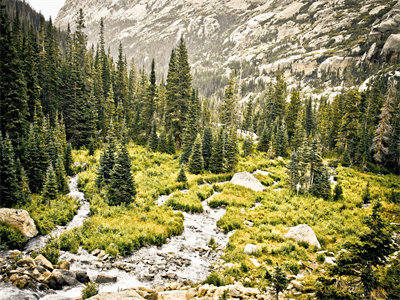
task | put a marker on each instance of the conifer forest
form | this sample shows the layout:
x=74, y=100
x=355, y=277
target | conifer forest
x=122, y=178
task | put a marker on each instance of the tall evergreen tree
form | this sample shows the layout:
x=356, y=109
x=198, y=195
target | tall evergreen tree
x=13, y=91
x=122, y=188
x=10, y=192
x=217, y=164
x=293, y=110
x=231, y=151
x=207, y=144
x=50, y=188
x=196, y=164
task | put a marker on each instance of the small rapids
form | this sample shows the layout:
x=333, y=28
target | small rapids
x=83, y=212
x=185, y=258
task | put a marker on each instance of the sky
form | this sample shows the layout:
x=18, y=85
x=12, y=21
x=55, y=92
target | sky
x=47, y=7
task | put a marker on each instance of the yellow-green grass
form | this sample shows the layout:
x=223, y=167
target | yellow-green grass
x=188, y=202
x=334, y=223
x=234, y=195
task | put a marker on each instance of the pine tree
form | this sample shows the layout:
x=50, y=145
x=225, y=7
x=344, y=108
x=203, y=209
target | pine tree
x=228, y=109
x=248, y=146
x=196, y=164
x=231, y=151
x=13, y=93
x=321, y=186
x=295, y=172
x=153, y=138
x=10, y=192
x=280, y=139
x=279, y=281
x=371, y=249
x=182, y=176
x=50, y=186
x=207, y=144
x=171, y=149
x=293, y=113
x=106, y=164
x=23, y=183
x=309, y=119
x=338, y=192
x=122, y=189
x=299, y=134
x=150, y=102
x=248, y=117
x=384, y=131
x=217, y=164
x=62, y=183
x=264, y=142
x=68, y=161
x=163, y=144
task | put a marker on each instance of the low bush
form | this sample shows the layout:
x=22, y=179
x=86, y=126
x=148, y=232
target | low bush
x=189, y=202
x=10, y=238
x=91, y=289
x=215, y=279
x=51, y=251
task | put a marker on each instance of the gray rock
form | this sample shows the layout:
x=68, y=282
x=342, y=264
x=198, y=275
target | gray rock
x=392, y=45
x=82, y=277
x=303, y=233
x=247, y=180
x=19, y=219
x=103, y=278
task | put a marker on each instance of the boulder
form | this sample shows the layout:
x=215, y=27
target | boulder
x=40, y=260
x=54, y=280
x=247, y=180
x=26, y=261
x=103, y=278
x=303, y=233
x=392, y=45
x=251, y=249
x=19, y=219
x=64, y=265
x=82, y=277
x=66, y=277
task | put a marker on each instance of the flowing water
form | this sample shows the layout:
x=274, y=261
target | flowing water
x=185, y=258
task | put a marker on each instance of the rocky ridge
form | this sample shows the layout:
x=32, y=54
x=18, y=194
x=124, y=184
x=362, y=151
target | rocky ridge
x=313, y=42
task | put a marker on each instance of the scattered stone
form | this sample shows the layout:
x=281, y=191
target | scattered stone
x=96, y=252
x=40, y=260
x=251, y=249
x=247, y=180
x=248, y=223
x=19, y=219
x=255, y=262
x=303, y=233
x=103, y=278
x=26, y=261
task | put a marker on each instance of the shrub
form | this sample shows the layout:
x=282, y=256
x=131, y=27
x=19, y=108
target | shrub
x=188, y=202
x=51, y=251
x=321, y=258
x=215, y=279
x=10, y=238
x=91, y=289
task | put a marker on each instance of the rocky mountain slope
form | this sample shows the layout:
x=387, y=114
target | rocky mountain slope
x=314, y=42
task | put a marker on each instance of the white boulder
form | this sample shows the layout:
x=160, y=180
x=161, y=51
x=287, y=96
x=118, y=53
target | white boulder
x=247, y=180
x=251, y=249
x=19, y=219
x=303, y=233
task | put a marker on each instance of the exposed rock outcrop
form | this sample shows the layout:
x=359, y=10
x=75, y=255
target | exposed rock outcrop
x=392, y=45
x=247, y=180
x=19, y=219
x=303, y=233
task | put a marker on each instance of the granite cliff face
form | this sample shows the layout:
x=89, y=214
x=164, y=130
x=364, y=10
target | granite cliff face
x=313, y=42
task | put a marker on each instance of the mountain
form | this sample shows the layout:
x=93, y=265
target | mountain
x=315, y=43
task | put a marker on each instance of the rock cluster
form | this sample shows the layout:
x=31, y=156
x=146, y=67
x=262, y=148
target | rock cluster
x=179, y=292
x=38, y=273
